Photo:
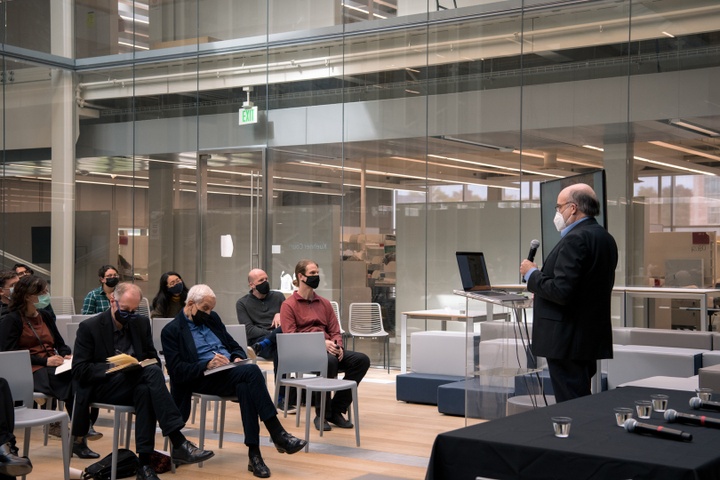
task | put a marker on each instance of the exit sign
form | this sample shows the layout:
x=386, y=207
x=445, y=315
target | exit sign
x=248, y=115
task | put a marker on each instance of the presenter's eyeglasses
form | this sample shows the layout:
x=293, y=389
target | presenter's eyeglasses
x=560, y=206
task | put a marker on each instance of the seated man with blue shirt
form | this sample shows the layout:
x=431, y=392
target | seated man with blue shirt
x=196, y=341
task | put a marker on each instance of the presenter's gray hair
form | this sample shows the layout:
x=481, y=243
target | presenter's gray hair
x=123, y=287
x=198, y=292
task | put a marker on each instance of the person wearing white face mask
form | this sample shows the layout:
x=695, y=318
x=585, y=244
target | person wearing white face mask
x=28, y=326
x=8, y=279
x=571, y=321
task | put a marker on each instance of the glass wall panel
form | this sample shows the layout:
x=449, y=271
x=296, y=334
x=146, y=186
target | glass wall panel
x=27, y=104
x=385, y=121
x=136, y=173
x=305, y=161
x=675, y=154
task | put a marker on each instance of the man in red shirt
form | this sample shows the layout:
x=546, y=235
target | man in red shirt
x=305, y=311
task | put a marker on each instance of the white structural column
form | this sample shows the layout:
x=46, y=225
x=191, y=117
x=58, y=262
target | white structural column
x=64, y=132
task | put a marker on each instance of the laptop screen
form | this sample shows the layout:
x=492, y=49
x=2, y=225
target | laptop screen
x=473, y=272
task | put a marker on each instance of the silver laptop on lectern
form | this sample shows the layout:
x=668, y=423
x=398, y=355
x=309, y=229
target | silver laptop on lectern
x=476, y=281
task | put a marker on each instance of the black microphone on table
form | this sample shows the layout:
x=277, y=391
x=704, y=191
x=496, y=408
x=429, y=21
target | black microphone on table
x=534, y=245
x=689, y=419
x=632, y=425
x=697, y=403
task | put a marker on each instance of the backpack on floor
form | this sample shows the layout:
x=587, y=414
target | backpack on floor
x=127, y=466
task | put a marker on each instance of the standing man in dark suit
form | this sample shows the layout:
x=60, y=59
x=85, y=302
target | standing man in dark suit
x=196, y=342
x=121, y=330
x=571, y=319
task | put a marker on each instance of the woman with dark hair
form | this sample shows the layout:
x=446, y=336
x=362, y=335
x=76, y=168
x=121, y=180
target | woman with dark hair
x=28, y=327
x=171, y=296
x=97, y=301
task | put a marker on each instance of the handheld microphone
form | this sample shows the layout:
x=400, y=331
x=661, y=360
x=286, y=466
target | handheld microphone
x=697, y=404
x=689, y=419
x=632, y=425
x=534, y=244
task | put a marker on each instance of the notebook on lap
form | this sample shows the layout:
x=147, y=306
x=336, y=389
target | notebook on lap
x=475, y=278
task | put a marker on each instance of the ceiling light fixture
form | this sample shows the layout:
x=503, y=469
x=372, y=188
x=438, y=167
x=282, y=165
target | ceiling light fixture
x=477, y=144
x=691, y=151
x=676, y=167
x=694, y=128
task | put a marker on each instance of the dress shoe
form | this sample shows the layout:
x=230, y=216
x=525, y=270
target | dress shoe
x=93, y=435
x=189, y=453
x=81, y=450
x=11, y=464
x=325, y=425
x=146, y=472
x=289, y=444
x=258, y=467
x=339, y=421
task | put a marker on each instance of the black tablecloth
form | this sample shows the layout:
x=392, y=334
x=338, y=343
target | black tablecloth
x=523, y=446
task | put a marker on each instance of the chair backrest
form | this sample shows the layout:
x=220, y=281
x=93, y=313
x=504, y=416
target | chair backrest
x=239, y=334
x=144, y=307
x=79, y=318
x=365, y=319
x=302, y=353
x=63, y=305
x=157, y=324
x=336, y=308
x=71, y=329
x=15, y=368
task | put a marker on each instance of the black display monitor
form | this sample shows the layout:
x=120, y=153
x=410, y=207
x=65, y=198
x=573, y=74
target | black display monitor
x=549, y=191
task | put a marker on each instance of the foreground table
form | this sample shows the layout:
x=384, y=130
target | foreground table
x=523, y=446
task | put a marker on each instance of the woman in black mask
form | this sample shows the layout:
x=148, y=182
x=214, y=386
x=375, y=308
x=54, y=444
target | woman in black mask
x=171, y=296
x=96, y=301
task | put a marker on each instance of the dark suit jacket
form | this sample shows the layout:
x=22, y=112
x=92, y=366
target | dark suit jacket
x=571, y=318
x=181, y=357
x=93, y=345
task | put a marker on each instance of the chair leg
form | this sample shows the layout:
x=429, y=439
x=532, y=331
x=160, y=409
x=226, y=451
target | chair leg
x=26, y=443
x=128, y=430
x=308, y=410
x=215, y=416
x=222, y=422
x=357, y=416
x=116, y=440
x=322, y=413
x=66, y=447
x=203, y=418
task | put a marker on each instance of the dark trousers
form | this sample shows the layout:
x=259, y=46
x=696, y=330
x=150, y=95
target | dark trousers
x=7, y=418
x=270, y=351
x=355, y=365
x=247, y=384
x=7, y=414
x=571, y=378
x=145, y=390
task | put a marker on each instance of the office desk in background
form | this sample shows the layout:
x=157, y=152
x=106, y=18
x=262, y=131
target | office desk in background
x=523, y=446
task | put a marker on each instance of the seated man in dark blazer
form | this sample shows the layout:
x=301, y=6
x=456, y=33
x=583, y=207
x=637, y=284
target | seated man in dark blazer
x=197, y=341
x=121, y=330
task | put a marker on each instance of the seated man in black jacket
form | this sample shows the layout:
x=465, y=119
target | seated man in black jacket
x=121, y=330
x=197, y=341
x=10, y=463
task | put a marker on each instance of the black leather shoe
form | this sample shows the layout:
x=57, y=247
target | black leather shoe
x=189, y=453
x=81, y=450
x=258, y=467
x=339, y=421
x=11, y=464
x=93, y=435
x=326, y=425
x=146, y=472
x=288, y=443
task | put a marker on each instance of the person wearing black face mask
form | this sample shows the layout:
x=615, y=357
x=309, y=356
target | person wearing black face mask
x=196, y=341
x=306, y=311
x=96, y=301
x=259, y=311
x=122, y=330
x=171, y=296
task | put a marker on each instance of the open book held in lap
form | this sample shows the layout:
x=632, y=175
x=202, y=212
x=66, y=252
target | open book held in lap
x=127, y=362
